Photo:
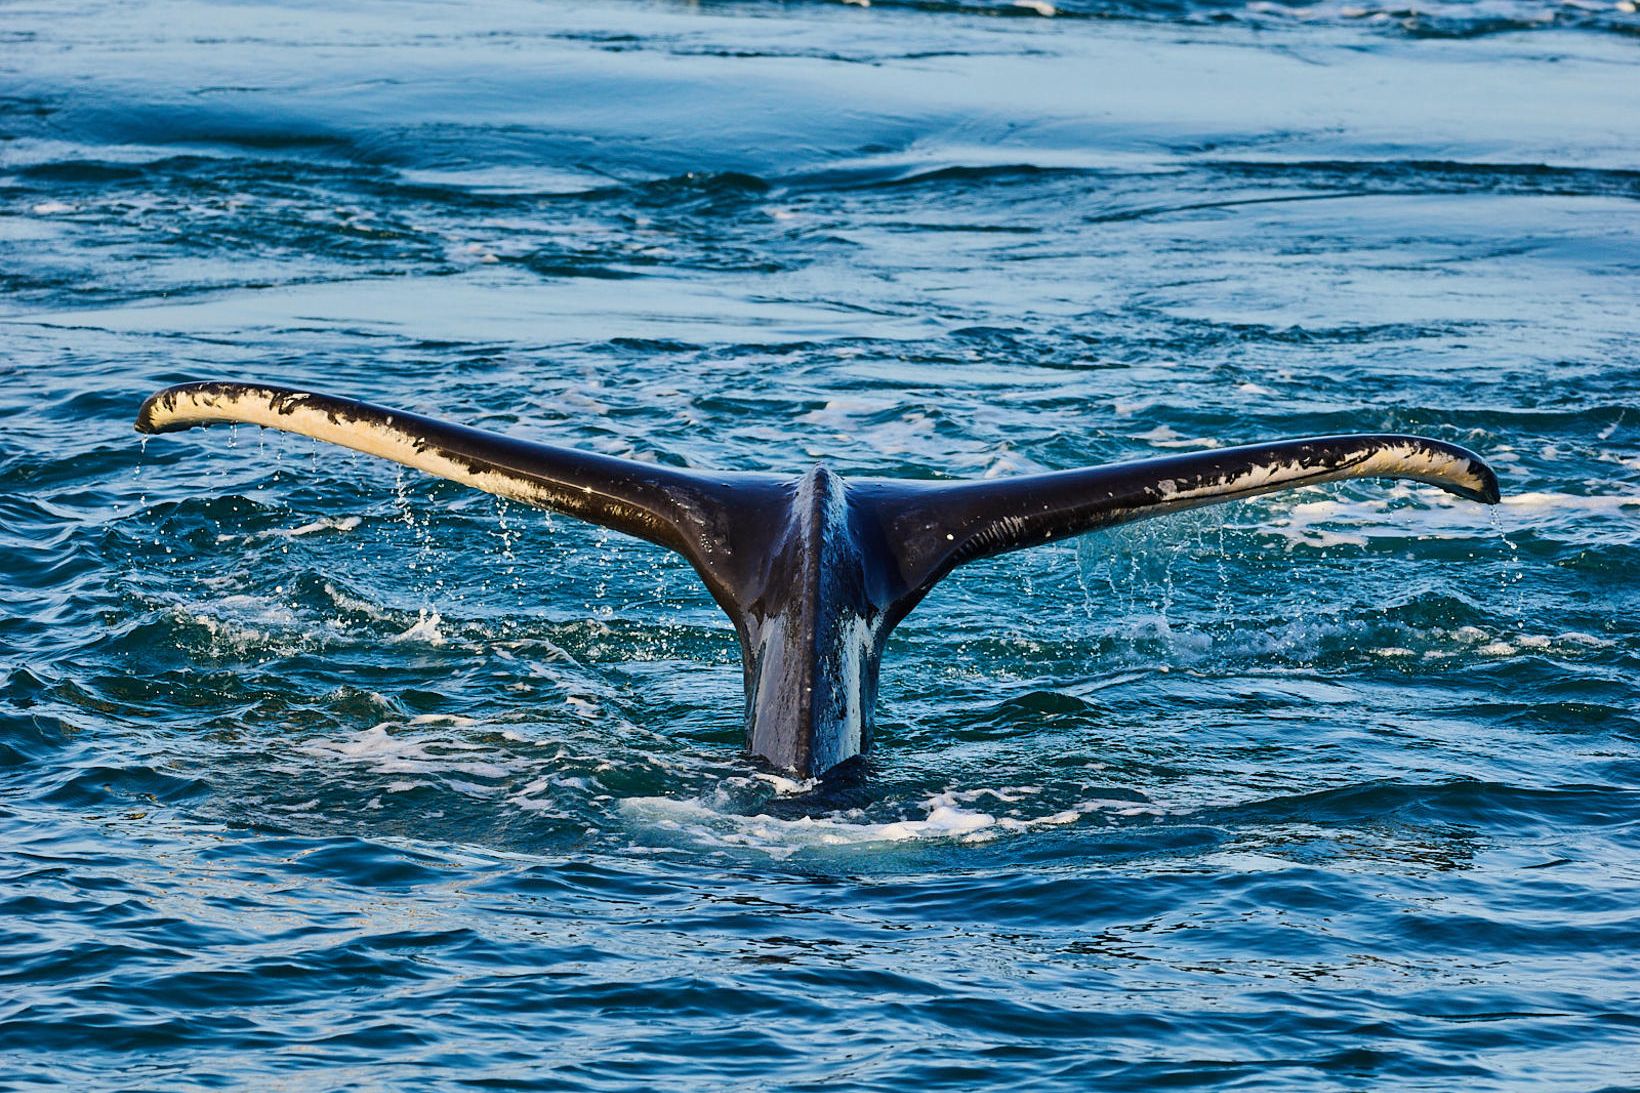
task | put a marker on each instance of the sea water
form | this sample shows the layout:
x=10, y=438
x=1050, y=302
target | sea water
x=319, y=775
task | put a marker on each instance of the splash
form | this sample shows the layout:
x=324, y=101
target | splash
x=946, y=818
x=427, y=629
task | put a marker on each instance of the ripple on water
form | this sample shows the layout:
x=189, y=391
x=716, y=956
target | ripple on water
x=317, y=775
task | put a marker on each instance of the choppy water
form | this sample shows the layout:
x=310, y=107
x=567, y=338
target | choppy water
x=319, y=775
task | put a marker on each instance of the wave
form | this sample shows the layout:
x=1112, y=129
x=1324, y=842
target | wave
x=1439, y=19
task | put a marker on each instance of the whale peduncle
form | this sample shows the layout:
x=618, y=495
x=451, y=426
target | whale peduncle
x=812, y=638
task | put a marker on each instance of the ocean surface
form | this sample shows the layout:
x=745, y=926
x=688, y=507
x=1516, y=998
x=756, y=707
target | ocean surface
x=316, y=774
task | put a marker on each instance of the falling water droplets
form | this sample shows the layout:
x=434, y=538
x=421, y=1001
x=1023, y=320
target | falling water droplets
x=406, y=515
x=136, y=473
x=1084, y=564
x=509, y=537
x=1221, y=596
x=1510, y=573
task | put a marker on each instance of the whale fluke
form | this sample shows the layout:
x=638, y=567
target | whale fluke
x=815, y=572
x=681, y=510
x=937, y=527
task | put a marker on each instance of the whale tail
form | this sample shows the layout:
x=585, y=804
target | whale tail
x=815, y=572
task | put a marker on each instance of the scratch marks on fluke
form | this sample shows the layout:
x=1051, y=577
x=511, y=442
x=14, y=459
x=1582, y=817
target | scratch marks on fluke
x=816, y=572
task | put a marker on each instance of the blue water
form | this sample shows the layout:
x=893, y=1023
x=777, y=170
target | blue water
x=317, y=774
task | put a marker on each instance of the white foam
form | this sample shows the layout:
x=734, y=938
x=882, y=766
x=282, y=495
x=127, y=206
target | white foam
x=328, y=523
x=444, y=719
x=1011, y=795
x=230, y=637
x=786, y=787
x=1007, y=463
x=781, y=838
x=1568, y=502
x=946, y=819
x=529, y=798
x=426, y=629
x=1332, y=522
x=238, y=625
x=1164, y=437
x=387, y=753
x=470, y=789
x=1329, y=521
x=1472, y=639
x=352, y=603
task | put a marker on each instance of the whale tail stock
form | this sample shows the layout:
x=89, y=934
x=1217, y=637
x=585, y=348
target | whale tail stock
x=816, y=571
